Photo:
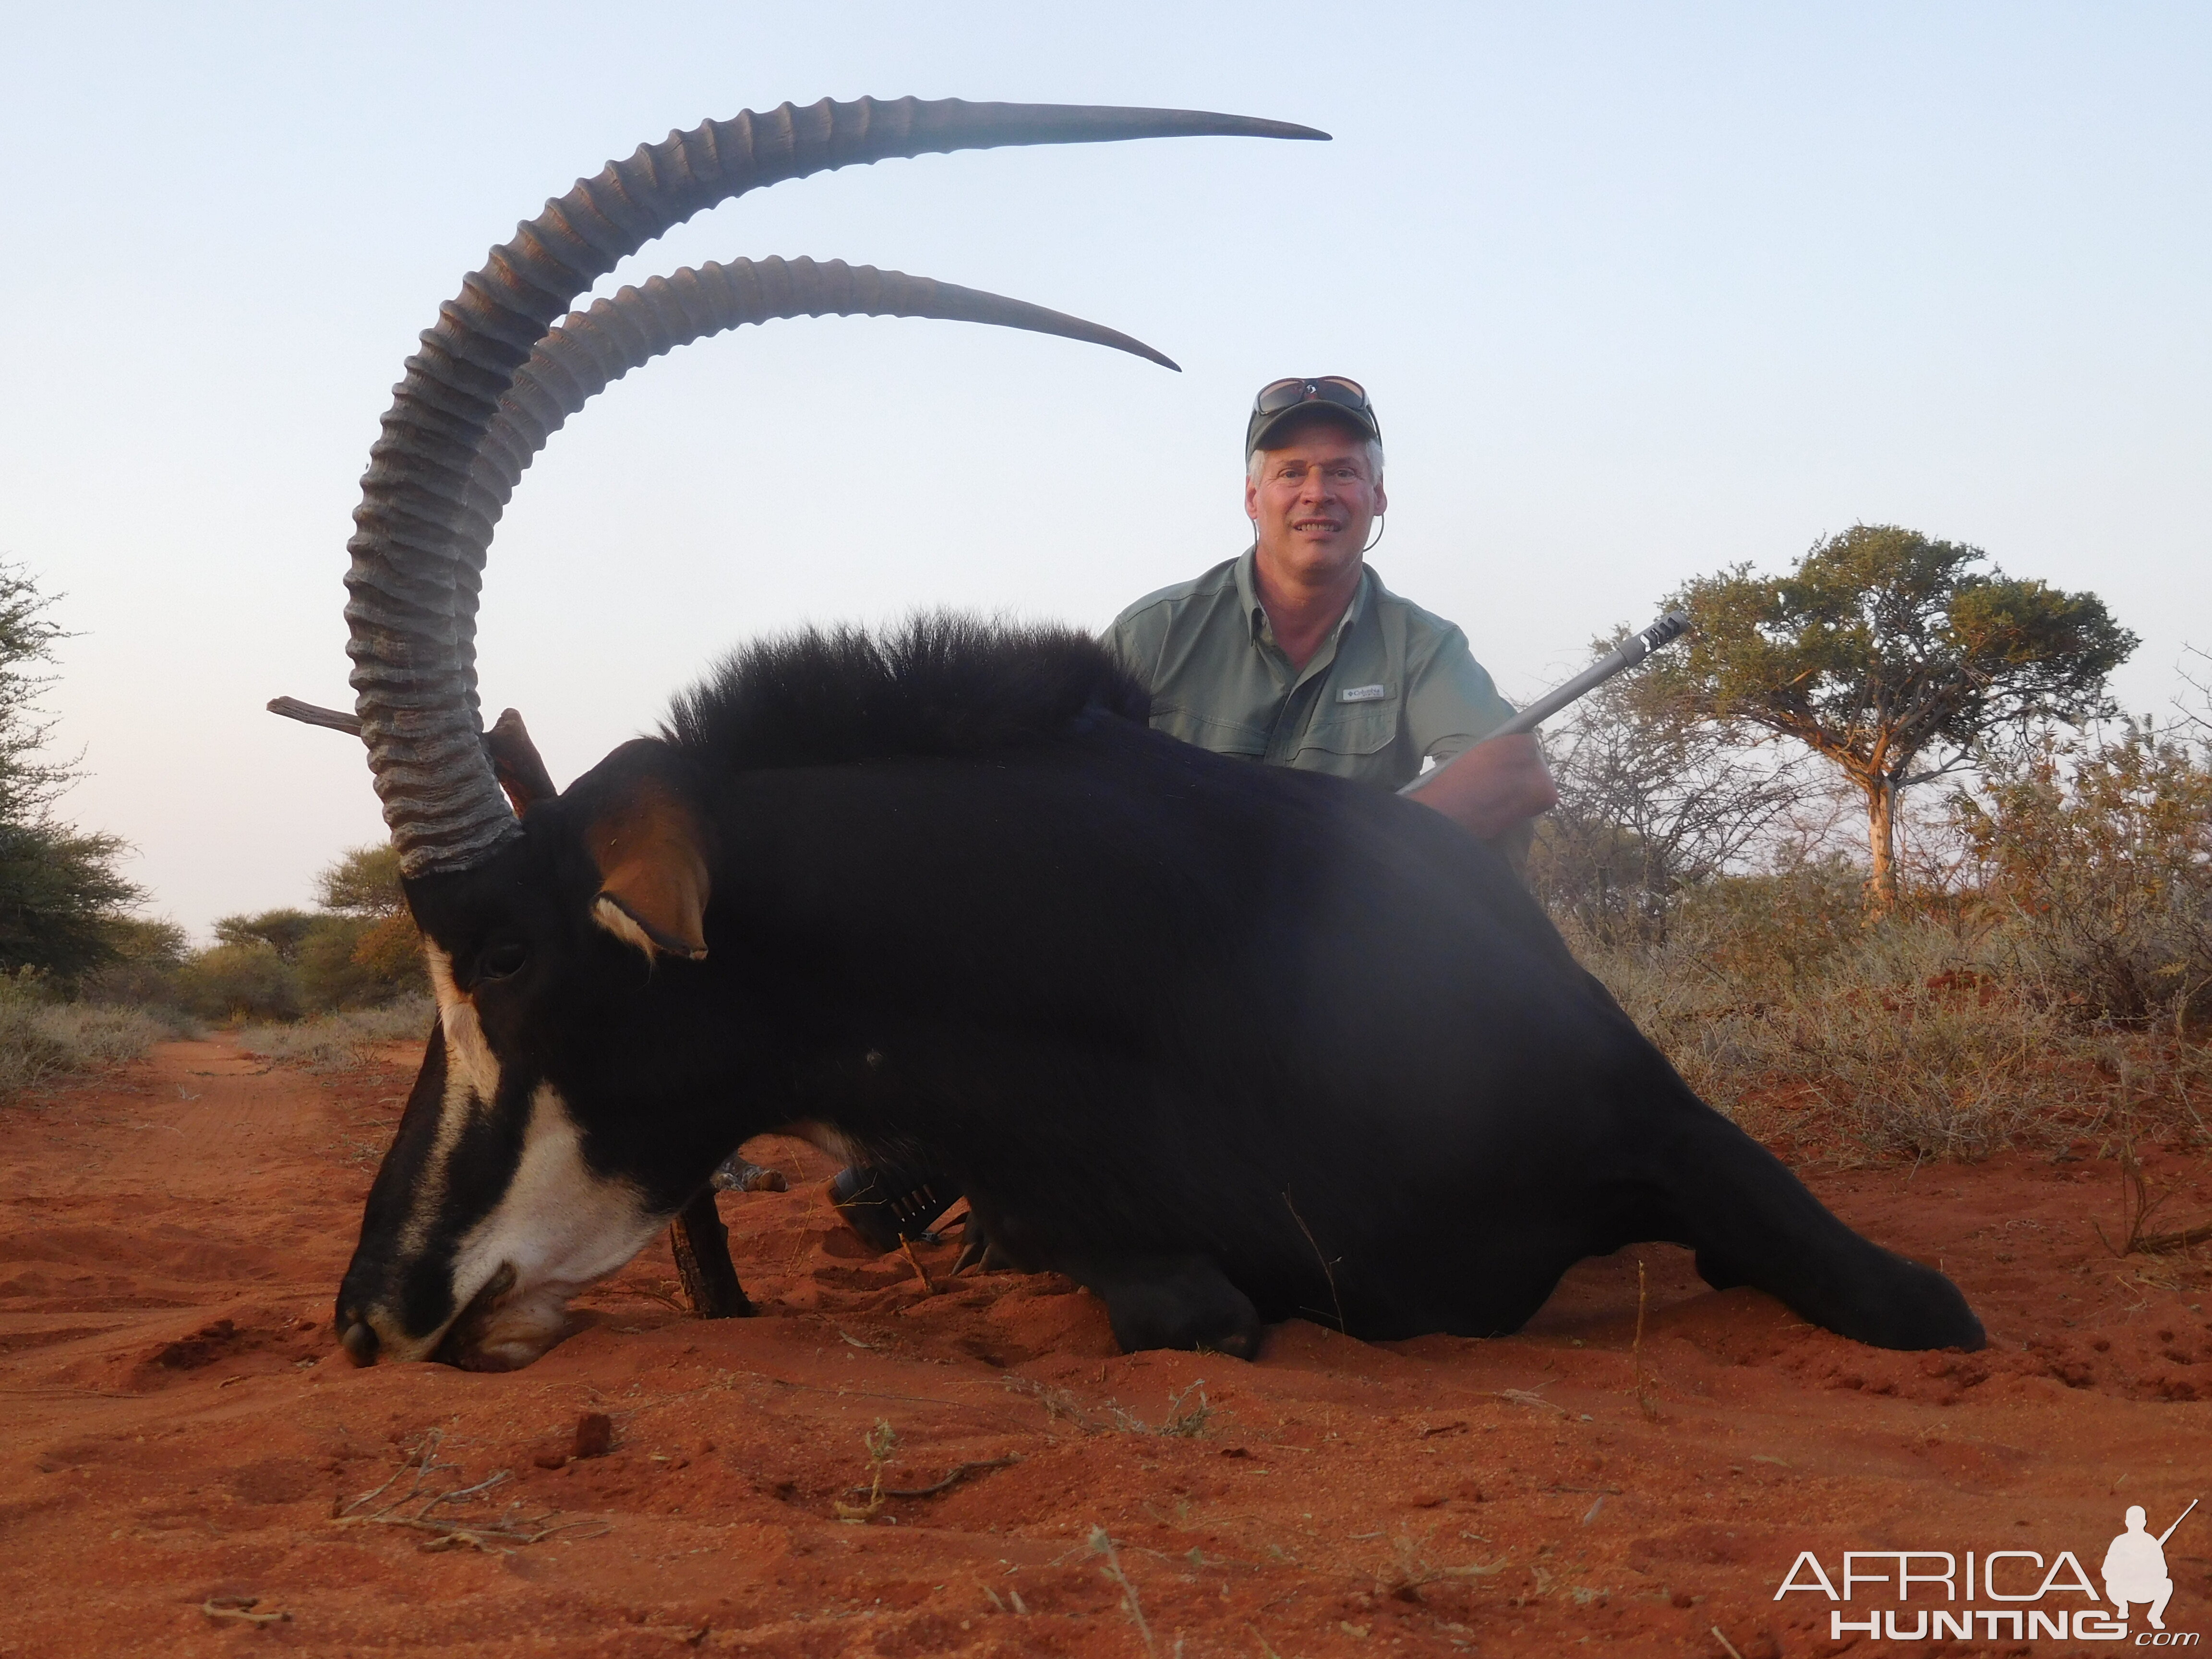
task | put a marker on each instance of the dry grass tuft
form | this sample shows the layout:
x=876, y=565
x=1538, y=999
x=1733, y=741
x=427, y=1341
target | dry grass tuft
x=44, y=1042
x=342, y=1042
x=1914, y=1036
x=1185, y=1419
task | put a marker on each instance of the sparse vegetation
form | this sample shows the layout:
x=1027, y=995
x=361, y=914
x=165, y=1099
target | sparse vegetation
x=1184, y=1420
x=2028, y=964
x=1949, y=1028
x=43, y=1040
x=340, y=1042
x=882, y=1444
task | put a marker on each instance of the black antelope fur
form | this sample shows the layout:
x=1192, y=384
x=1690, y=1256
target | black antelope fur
x=1229, y=1044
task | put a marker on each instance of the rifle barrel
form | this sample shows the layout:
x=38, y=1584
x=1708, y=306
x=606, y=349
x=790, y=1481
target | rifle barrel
x=2177, y=1520
x=1632, y=651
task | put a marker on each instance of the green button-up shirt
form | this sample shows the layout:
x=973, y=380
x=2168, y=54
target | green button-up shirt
x=1390, y=687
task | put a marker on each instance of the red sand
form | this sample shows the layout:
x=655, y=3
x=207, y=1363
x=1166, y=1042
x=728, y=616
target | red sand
x=180, y=1426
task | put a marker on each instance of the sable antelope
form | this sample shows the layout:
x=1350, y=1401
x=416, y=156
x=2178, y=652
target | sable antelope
x=1226, y=1044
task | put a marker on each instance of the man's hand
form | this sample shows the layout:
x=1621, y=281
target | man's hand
x=1493, y=787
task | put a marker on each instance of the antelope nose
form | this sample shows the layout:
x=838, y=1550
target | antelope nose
x=360, y=1342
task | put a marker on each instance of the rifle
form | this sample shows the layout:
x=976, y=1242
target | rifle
x=1630, y=651
x=2177, y=1520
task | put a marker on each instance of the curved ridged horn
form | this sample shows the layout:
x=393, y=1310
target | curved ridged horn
x=587, y=351
x=440, y=801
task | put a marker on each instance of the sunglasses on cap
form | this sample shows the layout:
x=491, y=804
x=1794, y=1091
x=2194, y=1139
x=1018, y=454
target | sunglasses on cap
x=1280, y=402
x=1278, y=395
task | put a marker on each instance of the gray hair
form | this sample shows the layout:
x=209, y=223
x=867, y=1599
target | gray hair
x=1373, y=446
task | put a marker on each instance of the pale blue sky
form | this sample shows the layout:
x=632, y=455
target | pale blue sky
x=1640, y=290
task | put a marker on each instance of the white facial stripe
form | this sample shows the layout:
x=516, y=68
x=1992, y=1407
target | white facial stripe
x=466, y=1051
x=560, y=1225
x=455, y=1109
x=619, y=922
x=472, y=1084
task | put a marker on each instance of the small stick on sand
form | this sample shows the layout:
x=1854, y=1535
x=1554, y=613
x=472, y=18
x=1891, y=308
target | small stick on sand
x=241, y=1607
x=1725, y=1643
x=1530, y=1397
x=960, y=1472
x=920, y=1272
x=2168, y=1243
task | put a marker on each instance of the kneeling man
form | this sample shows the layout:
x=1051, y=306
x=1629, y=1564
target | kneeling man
x=1294, y=653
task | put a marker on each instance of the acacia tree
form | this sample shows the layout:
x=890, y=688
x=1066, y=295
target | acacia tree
x=61, y=896
x=1885, y=654
x=365, y=885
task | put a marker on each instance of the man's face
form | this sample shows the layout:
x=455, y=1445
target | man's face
x=1314, y=502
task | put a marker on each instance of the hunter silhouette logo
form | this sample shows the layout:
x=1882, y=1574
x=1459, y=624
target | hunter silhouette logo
x=2031, y=1596
x=2135, y=1566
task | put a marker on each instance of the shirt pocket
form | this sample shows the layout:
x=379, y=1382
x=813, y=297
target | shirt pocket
x=1222, y=737
x=1353, y=729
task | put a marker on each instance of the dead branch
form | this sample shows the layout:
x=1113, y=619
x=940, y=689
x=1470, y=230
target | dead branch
x=960, y=1471
x=416, y=1509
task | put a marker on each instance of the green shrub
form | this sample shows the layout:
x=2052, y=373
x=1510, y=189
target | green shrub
x=332, y=976
x=283, y=931
x=2098, y=859
x=359, y=951
x=142, y=971
x=239, y=981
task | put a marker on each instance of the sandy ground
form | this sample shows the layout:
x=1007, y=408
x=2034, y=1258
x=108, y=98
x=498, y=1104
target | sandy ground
x=181, y=1434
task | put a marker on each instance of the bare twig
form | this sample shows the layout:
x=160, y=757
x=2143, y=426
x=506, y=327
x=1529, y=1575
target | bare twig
x=1101, y=1544
x=1725, y=1643
x=240, y=1607
x=1182, y=1421
x=2137, y=1205
x=1057, y=1403
x=417, y=1508
x=1530, y=1397
x=1327, y=1268
x=960, y=1471
x=2168, y=1243
x=920, y=1272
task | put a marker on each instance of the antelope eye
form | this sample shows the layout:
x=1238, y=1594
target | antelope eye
x=502, y=961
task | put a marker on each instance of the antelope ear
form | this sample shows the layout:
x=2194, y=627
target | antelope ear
x=515, y=763
x=651, y=849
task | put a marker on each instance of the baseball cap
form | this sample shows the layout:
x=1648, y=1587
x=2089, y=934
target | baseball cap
x=1281, y=402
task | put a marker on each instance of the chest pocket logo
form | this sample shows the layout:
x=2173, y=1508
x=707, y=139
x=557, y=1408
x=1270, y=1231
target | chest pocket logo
x=1362, y=694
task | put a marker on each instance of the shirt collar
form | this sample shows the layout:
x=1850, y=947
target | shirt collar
x=1255, y=614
